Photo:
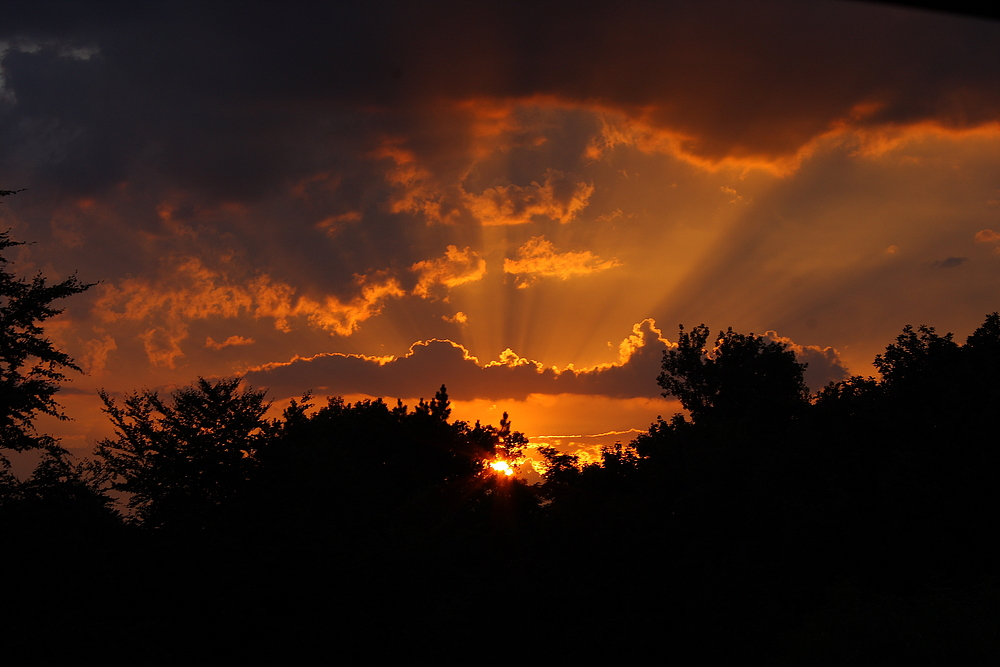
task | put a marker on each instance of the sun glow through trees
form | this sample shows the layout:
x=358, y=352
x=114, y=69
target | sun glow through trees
x=502, y=467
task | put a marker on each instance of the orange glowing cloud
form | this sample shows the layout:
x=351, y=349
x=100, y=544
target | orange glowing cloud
x=416, y=194
x=442, y=198
x=647, y=131
x=987, y=236
x=559, y=198
x=191, y=291
x=538, y=258
x=330, y=314
x=456, y=267
x=95, y=356
x=229, y=342
x=641, y=131
x=879, y=140
x=512, y=359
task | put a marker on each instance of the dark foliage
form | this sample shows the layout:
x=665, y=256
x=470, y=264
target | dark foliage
x=739, y=377
x=31, y=368
x=181, y=462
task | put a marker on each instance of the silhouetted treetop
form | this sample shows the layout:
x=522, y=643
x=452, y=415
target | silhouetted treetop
x=987, y=336
x=440, y=406
x=916, y=354
x=31, y=368
x=983, y=351
x=738, y=375
x=854, y=396
x=181, y=460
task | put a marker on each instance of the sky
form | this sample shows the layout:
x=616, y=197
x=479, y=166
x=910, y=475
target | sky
x=519, y=200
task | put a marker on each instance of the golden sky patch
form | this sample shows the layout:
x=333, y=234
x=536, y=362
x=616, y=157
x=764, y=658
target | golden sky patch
x=456, y=267
x=538, y=258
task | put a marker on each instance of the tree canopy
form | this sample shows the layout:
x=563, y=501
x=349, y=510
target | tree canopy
x=31, y=368
x=738, y=376
x=181, y=460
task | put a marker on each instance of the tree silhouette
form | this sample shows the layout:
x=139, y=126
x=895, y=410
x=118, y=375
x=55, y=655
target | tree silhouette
x=59, y=514
x=740, y=376
x=917, y=357
x=31, y=368
x=183, y=461
x=982, y=359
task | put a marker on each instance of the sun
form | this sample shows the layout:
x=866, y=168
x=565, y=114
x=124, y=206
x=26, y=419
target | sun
x=502, y=467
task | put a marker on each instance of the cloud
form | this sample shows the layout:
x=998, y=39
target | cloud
x=457, y=267
x=457, y=318
x=273, y=103
x=332, y=224
x=441, y=197
x=734, y=196
x=641, y=131
x=229, y=342
x=428, y=364
x=558, y=198
x=191, y=291
x=96, y=351
x=538, y=258
x=987, y=236
x=949, y=263
x=823, y=363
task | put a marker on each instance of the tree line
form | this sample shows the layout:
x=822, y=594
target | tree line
x=765, y=521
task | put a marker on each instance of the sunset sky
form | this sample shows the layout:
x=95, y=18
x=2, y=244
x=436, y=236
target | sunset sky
x=519, y=200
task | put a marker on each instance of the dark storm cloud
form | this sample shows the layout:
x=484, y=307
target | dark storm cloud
x=215, y=97
x=237, y=98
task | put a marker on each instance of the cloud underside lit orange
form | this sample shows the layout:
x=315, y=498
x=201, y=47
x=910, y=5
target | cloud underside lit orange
x=632, y=375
